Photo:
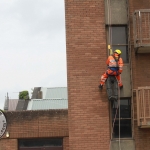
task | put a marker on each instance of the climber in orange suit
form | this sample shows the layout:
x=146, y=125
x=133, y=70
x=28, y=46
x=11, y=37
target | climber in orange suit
x=115, y=65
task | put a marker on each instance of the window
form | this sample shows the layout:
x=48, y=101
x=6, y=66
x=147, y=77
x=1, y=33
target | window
x=119, y=40
x=125, y=119
x=40, y=143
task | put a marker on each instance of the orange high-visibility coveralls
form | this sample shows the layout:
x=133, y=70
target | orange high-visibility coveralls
x=114, y=68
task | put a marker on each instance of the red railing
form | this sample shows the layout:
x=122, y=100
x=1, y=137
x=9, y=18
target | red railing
x=143, y=106
x=141, y=27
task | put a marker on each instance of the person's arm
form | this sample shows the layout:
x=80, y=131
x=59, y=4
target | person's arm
x=120, y=65
x=107, y=61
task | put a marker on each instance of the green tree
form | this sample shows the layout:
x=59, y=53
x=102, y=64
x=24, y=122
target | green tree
x=24, y=95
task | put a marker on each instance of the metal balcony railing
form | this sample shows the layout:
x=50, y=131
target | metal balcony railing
x=141, y=28
x=143, y=106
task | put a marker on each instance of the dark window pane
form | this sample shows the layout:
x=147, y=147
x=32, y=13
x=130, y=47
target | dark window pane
x=40, y=142
x=125, y=124
x=119, y=35
x=124, y=54
x=125, y=109
x=125, y=129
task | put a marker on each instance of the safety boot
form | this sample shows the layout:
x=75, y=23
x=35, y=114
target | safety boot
x=121, y=86
x=100, y=86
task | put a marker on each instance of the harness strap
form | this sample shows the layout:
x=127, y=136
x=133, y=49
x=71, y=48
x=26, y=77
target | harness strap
x=112, y=73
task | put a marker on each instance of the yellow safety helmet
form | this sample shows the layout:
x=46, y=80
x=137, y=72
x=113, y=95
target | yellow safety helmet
x=118, y=51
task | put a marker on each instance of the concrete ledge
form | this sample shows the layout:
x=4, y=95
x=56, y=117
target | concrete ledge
x=124, y=144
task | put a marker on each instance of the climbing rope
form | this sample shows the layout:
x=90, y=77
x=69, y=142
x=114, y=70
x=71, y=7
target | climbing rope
x=114, y=120
x=119, y=115
x=109, y=28
x=113, y=123
x=110, y=53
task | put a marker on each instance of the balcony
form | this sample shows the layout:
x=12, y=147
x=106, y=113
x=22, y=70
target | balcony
x=143, y=106
x=141, y=28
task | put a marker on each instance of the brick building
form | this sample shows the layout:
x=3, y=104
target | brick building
x=91, y=25
x=36, y=130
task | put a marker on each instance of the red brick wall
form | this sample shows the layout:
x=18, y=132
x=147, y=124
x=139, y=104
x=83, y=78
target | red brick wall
x=35, y=124
x=66, y=143
x=8, y=144
x=86, y=56
x=140, y=62
x=141, y=76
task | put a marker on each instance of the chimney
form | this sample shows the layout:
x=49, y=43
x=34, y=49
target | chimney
x=6, y=105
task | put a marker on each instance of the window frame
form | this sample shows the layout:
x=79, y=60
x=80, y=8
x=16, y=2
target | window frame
x=112, y=120
x=43, y=141
x=109, y=29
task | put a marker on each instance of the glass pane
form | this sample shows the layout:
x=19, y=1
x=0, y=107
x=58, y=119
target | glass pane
x=40, y=142
x=125, y=109
x=119, y=35
x=124, y=54
x=125, y=129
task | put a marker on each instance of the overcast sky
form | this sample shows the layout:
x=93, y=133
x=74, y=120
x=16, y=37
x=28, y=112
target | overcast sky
x=32, y=46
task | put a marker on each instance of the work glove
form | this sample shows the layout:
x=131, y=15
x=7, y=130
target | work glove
x=118, y=73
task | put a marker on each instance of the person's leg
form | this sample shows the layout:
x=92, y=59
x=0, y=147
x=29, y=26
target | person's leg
x=102, y=81
x=112, y=88
x=119, y=81
x=109, y=85
x=115, y=88
x=103, y=78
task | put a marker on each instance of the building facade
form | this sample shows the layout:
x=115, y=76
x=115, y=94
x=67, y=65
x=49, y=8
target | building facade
x=36, y=130
x=92, y=25
x=92, y=122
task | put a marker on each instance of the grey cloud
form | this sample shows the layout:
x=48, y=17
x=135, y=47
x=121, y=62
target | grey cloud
x=35, y=20
x=32, y=45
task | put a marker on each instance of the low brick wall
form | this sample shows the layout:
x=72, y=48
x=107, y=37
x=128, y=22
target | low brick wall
x=34, y=124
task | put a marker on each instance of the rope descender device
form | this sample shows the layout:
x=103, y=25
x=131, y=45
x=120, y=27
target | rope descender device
x=110, y=50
